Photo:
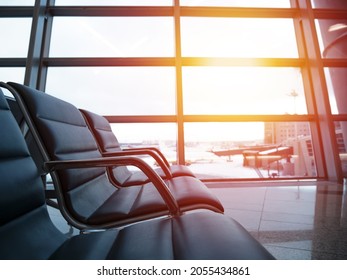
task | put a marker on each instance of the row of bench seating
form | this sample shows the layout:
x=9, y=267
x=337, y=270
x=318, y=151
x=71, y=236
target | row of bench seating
x=155, y=214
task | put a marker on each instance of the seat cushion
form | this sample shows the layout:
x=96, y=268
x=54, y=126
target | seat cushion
x=130, y=202
x=143, y=201
x=199, y=235
x=190, y=192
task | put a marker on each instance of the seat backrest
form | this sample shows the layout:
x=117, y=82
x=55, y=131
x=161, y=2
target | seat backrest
x=107, y=142
x=29, y=139
x=62, y=133
x=102, y=131
x=26, y=231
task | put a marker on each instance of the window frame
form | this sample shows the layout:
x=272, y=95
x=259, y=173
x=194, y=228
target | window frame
x=310, y=61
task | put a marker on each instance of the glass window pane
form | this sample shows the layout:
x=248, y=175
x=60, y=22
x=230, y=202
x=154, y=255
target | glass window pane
x=329, y=4
x=112, y=37
x=238, y=37
x=238, y=3
x=114, y=2
x=17, y=32
x=116, y=90
x=249, y=150
x=336, y=81
x=341, y=138
x=146, y=135
x=243, y=90
x=12, y=74
x=17, y=2
x=332, y=36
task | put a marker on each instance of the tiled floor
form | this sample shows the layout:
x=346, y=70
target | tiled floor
x=306, y=221
x=292, y=220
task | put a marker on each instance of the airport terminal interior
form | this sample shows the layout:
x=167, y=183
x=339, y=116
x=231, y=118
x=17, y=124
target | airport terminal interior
x=248, y=96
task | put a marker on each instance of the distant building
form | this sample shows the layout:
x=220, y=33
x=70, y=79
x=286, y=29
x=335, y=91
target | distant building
x=280, y=132
x=298, y=136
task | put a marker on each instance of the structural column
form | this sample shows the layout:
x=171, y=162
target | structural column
x=323, y=128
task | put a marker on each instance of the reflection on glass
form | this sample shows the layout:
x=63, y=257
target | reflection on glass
x=332, y=36
x=243, y=90
x=238, y=37
x=17, y=34
x=112, y=37
x=114, y=3
x=336, y=81
x=159, y=135
x=116, y=90
x=329, y=4
x=238, y=3
x=249, y=150
x=12, y=74
x=341, y=139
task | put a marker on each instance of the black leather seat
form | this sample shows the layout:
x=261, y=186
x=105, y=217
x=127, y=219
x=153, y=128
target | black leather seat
x=86, y=197
x=109, y=146
x=26, y=231
x=34, y=150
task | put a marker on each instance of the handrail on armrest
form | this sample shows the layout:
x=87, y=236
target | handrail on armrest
x=157, y=181
x=160, y=154
x=137, y=152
